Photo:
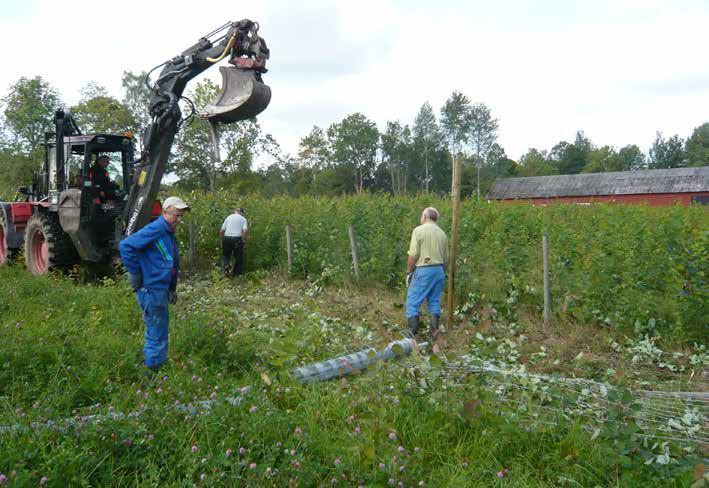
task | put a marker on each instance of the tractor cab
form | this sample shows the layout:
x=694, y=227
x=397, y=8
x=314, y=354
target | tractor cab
x=81, y=169
x=86, y=181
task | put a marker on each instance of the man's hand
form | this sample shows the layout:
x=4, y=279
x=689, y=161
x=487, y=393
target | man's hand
x=135, y=281
x=409, y=277
x=172, y=297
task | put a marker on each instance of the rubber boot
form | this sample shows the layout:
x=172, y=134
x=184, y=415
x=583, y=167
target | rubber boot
x=413, y=326
x=433, y=331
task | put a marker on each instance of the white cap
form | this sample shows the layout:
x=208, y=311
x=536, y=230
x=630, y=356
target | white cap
x=176, y=202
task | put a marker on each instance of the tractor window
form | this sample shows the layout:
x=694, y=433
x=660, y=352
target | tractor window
x=74, y=159
x=115, y=169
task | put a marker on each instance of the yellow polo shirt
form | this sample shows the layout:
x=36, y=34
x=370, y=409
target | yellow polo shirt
x=429, y=245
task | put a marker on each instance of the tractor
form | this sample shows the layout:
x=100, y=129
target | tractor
x=72, y=216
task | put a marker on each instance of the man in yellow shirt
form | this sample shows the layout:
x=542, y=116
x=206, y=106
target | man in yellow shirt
x=425, y=272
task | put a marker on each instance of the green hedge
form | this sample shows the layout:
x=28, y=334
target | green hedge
x=635, y=267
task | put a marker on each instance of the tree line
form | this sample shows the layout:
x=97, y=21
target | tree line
x=350, y=156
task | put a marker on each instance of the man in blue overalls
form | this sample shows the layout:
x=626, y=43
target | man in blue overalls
x=425, y=272
x=151, y=257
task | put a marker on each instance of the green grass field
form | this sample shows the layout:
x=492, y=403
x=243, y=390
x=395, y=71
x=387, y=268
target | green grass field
x=68, y=351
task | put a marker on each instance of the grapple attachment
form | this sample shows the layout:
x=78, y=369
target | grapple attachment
x=243, y=96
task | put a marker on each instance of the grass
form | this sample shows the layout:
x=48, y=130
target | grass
x=69, y=350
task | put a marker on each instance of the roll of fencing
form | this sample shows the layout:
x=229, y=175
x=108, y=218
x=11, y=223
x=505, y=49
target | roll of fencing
x=358, y=361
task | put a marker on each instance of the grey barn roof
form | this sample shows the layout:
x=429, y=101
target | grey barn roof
x=675, y=180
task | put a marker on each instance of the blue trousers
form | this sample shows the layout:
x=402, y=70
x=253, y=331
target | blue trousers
x=153, y=304
x=426, y=284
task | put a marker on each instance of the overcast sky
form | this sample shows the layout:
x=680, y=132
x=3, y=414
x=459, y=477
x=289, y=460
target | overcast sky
x=620, y=70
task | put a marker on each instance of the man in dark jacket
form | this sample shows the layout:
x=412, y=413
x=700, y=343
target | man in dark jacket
x=151, y=257
x=98, y=174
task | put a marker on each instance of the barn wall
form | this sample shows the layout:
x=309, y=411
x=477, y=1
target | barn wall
x=654, y=200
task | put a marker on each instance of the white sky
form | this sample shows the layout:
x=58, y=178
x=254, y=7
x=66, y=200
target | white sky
x=617, y=69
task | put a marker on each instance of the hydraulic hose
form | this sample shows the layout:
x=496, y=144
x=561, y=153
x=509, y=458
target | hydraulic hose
x=227, y=48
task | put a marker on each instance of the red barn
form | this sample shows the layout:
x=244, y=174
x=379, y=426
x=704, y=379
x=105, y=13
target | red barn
x=675, y=186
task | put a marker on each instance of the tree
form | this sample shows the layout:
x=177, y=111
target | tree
x=632, y=158
x=481, y=137
x=195, y=162
x=137, y=99
x=698, y=146
x=667, y=153
x=17, y=169
x=428, y=139
x=482, y=133
x=571, y=158
x=603, y=159
x=97, y=112
x=498, y=165
x=29, y=111
x=354, y=142
x=315, y=156
x=397, y=149
x=536, y=163
x=455, y=121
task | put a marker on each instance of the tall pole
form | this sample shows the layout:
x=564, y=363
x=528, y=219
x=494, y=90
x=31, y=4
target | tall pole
x=478, y=179
x=547, y=293
x=355, y=254
x=289, y=249
x=455, y=197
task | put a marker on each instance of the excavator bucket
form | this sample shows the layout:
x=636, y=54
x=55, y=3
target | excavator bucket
x=243, y=96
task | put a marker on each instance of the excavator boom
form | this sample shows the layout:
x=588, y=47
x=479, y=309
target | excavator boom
x=243, y=96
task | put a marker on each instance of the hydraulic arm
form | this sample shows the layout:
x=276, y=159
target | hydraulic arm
x=243, y=96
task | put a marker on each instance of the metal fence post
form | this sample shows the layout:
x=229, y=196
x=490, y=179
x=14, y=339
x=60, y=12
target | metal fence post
x=355, y=255
x=289, y=248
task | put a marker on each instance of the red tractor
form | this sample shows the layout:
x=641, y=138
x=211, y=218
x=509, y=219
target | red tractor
x=89, y=192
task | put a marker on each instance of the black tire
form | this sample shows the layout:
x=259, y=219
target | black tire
x=5, y=252
x=47, y=247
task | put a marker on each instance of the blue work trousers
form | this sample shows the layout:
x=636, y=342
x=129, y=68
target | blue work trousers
x=153, y=304
x=426, y=284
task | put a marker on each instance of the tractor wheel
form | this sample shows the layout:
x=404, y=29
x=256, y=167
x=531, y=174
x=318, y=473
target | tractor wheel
x=4, y=232
x=47, y=247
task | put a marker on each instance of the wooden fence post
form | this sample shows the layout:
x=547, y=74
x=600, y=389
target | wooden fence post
x=355, y=255
x=289, y=248
x=547, y=293
x=455, y=196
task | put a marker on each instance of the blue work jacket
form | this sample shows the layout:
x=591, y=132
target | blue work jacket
x=153, y=253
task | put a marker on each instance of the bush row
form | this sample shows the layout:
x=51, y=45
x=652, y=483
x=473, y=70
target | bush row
x=635, y=267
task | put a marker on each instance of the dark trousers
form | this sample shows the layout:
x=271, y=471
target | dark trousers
x=233, y=246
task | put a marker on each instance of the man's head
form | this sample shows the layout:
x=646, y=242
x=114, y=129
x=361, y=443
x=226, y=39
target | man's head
x=173, y=210
x=240, y=211
x=429, y=213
